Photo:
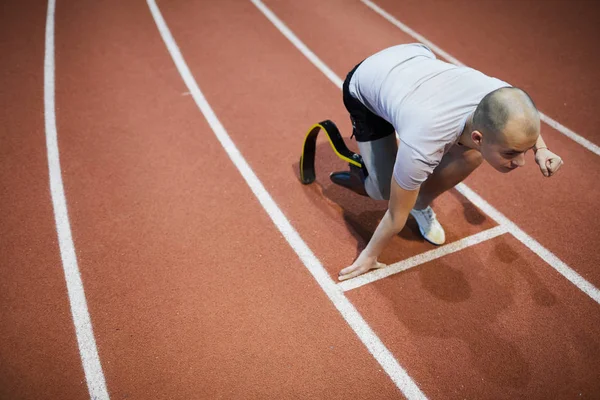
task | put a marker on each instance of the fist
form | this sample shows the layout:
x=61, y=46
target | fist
x=548, y=162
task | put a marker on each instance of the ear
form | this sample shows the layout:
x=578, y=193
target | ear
x=477, y=138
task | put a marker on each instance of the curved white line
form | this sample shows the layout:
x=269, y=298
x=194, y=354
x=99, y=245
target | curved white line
x=81, y=317
x=371, y=341
x=535, y=246
x=594, y=148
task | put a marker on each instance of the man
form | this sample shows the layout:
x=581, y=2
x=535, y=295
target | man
x=448, y=120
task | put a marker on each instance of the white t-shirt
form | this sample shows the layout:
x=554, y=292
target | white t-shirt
x=426, y=100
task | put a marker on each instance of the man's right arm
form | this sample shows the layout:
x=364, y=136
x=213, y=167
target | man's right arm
x=399, y=206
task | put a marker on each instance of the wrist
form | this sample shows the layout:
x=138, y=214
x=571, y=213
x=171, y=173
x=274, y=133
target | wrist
x=367, y=256
x=539, y=148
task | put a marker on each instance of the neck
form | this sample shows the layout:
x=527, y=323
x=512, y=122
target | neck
x=465, y=136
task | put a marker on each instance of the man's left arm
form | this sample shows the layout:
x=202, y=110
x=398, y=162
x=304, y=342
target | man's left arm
x=548, y=162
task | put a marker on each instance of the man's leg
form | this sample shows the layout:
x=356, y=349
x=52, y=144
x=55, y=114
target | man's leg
x=379, y=157
x=455, y=166
x=377, y=146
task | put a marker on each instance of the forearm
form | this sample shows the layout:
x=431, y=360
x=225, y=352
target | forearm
x=539, y=144
x=387, y=228
x=399, y=206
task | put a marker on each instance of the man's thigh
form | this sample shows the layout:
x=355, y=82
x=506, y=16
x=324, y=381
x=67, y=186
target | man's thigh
x=379, y=157
x=455, y=166
x=462, y=156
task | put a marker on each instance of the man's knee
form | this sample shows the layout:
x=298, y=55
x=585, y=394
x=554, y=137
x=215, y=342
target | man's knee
x=470, y=158
x=473, y=158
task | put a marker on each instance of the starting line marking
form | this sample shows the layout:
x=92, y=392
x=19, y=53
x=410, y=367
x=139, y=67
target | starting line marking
x=531, y=243
x=549, y=121
x=422, y=258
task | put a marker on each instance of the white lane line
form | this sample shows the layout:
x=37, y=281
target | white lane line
x=531, y=243
x=81, y=317
x=314, y=266
x=291, y=36
x=301, y=46
x=535, y=246
x=403, y=27
x=422, y=258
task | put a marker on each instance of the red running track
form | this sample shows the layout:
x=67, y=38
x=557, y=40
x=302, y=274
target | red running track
x=192, y=291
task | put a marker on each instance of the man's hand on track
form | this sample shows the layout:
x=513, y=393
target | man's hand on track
x=360, y=266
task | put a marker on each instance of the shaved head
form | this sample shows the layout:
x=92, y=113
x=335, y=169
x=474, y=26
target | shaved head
x=507, y=115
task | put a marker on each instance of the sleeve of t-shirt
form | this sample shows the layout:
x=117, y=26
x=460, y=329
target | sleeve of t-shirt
x=411, y=169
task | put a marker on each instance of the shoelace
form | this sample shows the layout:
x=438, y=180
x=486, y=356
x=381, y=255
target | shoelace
x=428, y=213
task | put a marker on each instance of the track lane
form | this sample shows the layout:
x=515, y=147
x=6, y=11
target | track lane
x=127, y=200
x=192, y=291
x=345, y=220
x=38, y=350
x=490, y=321
x=530, y=288
x=524, y=196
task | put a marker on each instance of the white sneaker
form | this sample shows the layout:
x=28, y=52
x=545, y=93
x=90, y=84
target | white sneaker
x=429, y=226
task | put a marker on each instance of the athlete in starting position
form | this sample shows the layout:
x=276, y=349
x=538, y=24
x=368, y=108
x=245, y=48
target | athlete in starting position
x=448, y=119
